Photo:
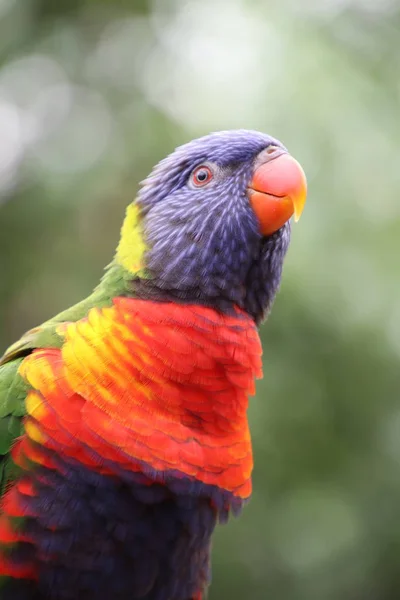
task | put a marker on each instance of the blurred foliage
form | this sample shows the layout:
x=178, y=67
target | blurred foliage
x=92, y=94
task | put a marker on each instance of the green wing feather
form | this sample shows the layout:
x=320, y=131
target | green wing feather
x=13, y=390
x=12, y=408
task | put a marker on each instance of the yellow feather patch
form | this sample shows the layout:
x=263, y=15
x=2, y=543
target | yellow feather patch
x=36, y=370
x=35, y=407
x=131, y=246
x=34, y=432
x=98, y=360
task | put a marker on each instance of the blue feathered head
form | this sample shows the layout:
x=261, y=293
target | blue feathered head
x=215, y=217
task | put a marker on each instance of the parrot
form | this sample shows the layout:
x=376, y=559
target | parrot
x=124, y=436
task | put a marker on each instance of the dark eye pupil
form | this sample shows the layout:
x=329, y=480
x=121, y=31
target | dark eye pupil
x=202, y=175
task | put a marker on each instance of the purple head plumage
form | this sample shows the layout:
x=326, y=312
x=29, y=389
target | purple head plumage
x=204, y=226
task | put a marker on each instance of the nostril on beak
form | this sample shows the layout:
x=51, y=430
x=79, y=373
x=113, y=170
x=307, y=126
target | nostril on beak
x=272, y=149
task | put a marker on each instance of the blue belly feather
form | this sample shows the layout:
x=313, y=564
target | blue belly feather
x=117, y=537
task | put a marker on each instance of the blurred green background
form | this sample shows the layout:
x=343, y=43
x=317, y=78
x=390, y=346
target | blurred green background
x=92, y=94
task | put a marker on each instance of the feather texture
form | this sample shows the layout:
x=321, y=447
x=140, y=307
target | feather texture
x=154, y=395
x=123, y=429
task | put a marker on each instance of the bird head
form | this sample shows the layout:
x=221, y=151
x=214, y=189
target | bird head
x=211, y=223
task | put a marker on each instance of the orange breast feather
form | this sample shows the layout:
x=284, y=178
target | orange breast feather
x=148, y=385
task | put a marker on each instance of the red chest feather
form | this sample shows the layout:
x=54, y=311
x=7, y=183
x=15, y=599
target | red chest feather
x=145, y=384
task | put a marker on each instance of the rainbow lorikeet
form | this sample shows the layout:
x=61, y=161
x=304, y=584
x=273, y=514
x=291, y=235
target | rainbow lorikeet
x=124, y=437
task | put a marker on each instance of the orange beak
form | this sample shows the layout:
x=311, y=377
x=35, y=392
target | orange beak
x=277, y=191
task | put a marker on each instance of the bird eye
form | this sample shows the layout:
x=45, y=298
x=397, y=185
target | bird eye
x=201, y=176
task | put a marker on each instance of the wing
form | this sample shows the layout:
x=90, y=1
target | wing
x=12, y=408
